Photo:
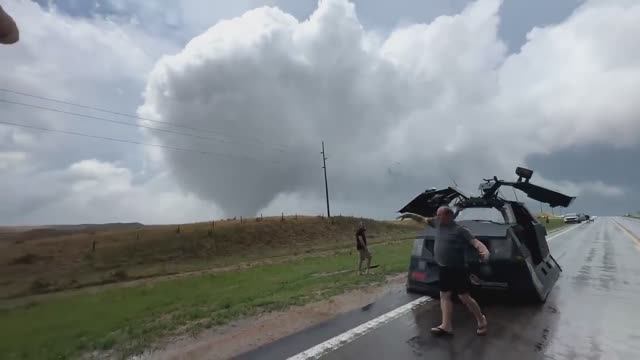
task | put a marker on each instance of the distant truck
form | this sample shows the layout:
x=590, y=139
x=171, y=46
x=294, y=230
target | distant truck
x=571, y=218
x=577, y=218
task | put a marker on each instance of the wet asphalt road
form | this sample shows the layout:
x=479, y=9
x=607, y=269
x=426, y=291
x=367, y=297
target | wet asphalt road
x=592, y=312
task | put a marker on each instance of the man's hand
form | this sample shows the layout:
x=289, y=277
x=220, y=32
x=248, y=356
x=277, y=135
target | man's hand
x=484, y=255
x=482, y=250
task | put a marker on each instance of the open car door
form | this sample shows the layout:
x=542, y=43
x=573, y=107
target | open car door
x=544, y=195
x=427, y=203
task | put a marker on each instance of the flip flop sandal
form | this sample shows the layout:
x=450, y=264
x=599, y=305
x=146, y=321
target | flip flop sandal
x=438, y=331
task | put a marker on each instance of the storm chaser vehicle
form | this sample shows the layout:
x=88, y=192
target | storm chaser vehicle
x=520, y=261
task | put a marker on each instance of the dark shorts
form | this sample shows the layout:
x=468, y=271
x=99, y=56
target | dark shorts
x=454, y=279
x=364, y=253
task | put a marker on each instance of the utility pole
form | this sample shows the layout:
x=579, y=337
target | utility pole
x=326, y=186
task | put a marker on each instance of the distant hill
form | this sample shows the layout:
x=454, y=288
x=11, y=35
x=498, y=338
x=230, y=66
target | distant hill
x=107, y=226
x=97, y=227
x=24, y=233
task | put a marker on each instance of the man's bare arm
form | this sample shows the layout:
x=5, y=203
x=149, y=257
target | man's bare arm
x=416, y=217
x=9, y=33
x=482, y=250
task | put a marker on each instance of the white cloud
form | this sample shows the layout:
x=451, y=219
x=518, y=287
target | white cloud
x=53, y=178
x=593, y=187
x=10, y=159
x=96, y=191
x=443, y=97
x=576, y=82
x=91, y=61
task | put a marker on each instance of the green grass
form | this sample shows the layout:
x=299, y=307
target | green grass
x=127, y=320
x=554, y=223
x=42, y=264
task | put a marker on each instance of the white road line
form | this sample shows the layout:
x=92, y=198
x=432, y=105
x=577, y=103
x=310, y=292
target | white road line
x=629, y=233
x=350, y=335
x=562, y=232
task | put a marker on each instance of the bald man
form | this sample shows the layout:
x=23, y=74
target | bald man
x=8, y=29
x=451, y=240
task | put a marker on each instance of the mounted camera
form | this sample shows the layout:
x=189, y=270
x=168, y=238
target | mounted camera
x=523, y=174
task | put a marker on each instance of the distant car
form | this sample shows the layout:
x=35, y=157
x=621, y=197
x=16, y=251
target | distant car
x=571, y=218
x=520, y=264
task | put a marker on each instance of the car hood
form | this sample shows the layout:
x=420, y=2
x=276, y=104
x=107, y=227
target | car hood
x=535, y=192
x=428, y=202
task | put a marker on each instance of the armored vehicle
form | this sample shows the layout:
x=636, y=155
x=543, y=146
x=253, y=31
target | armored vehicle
x=520, y=262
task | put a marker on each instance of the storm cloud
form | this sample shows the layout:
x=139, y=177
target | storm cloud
x=417, y=108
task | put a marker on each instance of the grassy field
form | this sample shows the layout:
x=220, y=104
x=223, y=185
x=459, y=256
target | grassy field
x=49, y=260
x=128, y=319
x=554, y=223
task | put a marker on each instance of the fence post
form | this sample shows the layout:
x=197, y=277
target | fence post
x=93, y=246
x=240, y=219
x=213, y=229
x=282, y=218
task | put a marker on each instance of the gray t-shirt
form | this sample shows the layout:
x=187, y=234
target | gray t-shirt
x=451, y=242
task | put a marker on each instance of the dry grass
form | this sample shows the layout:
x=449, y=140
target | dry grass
x=36, y=261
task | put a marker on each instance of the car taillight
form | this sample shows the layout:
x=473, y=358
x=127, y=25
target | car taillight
x=419, y=276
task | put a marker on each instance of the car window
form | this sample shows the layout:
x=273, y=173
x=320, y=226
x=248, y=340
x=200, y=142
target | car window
x=482, y=214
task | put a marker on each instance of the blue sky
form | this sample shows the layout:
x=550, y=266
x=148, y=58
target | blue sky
x=517, y=17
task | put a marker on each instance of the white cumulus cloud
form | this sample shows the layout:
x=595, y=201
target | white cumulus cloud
x=424, y=105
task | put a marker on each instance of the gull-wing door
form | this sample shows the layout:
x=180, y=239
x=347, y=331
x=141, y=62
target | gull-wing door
x=428, y=202
x=535, y=192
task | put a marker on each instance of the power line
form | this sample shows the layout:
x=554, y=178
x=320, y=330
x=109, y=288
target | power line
x=124, y=123
x=170, y=147
x=278, y=147
x=89, y=107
